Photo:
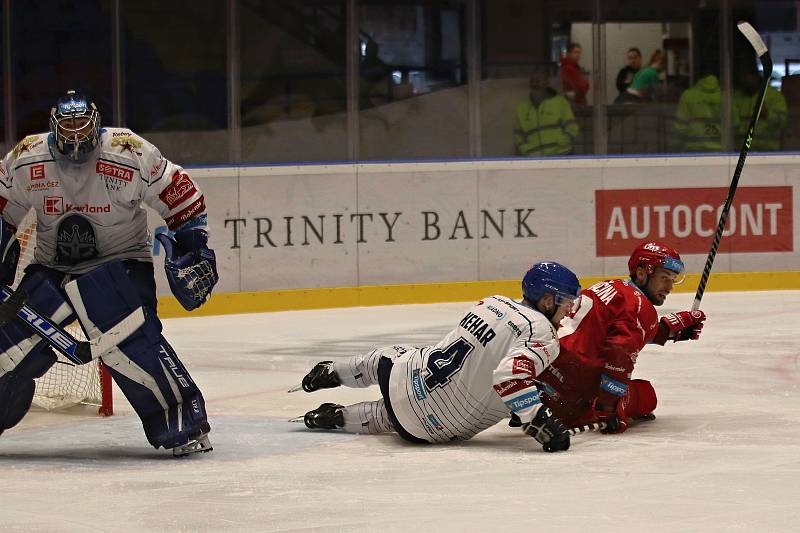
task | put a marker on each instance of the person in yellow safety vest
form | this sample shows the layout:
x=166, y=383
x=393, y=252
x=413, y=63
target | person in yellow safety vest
x=544, y=124
x=698, y=120
x=768, y=135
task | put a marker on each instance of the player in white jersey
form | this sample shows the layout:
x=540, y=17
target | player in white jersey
x=93, y=262
x=469, y=380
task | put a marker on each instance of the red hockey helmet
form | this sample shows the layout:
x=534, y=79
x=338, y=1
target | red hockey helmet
x=655, y=254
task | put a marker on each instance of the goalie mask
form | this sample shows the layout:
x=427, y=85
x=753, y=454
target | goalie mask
x=75, y=126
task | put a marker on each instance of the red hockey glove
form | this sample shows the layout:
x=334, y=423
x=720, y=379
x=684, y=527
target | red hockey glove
x=616, y=421
x=680, y=326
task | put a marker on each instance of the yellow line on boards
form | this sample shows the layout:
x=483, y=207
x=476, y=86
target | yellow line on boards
x=298, y=299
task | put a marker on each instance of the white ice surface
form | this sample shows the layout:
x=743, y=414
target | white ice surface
x=723, y=454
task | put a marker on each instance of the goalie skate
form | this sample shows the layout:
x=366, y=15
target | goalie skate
x=199, y=445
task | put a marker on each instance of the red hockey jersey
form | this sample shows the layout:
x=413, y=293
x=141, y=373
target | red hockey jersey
x=600, y=341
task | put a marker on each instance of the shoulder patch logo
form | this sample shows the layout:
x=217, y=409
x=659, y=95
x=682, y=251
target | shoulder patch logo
x=37, y=171
x=126, y=141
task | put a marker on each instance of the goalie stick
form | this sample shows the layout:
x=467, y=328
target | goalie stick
x=766, y=64
x=80, y=352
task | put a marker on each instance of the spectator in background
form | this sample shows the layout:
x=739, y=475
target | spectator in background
x=643, y=87
x=698, y=117
x=574, y=84
x=544, y=124
x=768, y=135
x=627, y=73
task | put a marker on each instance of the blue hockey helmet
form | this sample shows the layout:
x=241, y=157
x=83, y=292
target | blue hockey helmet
x=75, y=126
x=549, y=277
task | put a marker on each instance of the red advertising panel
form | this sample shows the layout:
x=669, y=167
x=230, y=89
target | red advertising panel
x=760, y=219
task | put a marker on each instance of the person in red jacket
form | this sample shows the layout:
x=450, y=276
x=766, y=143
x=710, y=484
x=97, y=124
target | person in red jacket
x=574, y=84
x=590, y=381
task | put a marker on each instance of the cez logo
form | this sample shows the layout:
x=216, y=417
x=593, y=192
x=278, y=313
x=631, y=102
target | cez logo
x=37, y=172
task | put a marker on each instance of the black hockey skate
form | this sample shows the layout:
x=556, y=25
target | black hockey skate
x=322, y=376
x=326, y=416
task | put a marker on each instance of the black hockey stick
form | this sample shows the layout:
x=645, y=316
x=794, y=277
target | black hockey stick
x=594, y=426
x=766, y=64
x=80, y=352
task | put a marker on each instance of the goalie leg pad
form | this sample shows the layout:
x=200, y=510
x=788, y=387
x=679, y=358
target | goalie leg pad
x=144, y=365
x=16, y=395
x=21, y=350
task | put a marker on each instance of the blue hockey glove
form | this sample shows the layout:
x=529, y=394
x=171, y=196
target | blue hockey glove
x=190, y=265
x=548, y=431
x=9, y=253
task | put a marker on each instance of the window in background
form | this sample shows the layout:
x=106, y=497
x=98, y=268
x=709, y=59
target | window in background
x=526, y=109
x=412, y=80
x=175, y=77
x=293, y=80
x=57, y=46
x=650, y=63
x=779, y=125
x=4, y=146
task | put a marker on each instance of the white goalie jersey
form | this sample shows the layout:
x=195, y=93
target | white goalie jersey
x=477, y=374
x=90, y=213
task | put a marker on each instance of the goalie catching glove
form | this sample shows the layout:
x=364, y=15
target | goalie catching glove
x=548, y=431
x=190, y=265
x=680, y=326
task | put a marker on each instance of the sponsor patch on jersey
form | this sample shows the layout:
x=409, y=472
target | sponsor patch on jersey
x=513, y=385
x=177, y=192
x=42, y=186
x=53, y=205
x=114, y=171
x=497, y=312
x=197, y=207
x=435, y=422
x=157, y=166
x=523, y=365
x=126, y=141
x=524, y=401
x=37, y=171
x=416, y=384
x=26, y=144
x=514, y=328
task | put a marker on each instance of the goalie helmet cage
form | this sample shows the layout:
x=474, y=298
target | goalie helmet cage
x=65, y=384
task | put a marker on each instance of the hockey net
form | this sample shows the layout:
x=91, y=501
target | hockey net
x=65, y=384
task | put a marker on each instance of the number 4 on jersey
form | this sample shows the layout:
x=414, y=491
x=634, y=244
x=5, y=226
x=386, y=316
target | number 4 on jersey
x=443, y=364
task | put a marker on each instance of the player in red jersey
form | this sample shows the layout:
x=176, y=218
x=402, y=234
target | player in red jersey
x=590, y=380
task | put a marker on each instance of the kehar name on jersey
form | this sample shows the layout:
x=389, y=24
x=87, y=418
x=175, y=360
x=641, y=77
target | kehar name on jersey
x=480, y=329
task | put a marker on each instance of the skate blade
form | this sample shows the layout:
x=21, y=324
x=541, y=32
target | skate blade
x=299, y=419
x=296, y=388
x=200, y=445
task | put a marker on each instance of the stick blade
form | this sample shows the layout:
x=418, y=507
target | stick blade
x=752, y=35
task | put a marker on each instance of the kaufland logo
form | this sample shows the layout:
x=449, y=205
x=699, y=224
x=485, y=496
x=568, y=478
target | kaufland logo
x=55, y=205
